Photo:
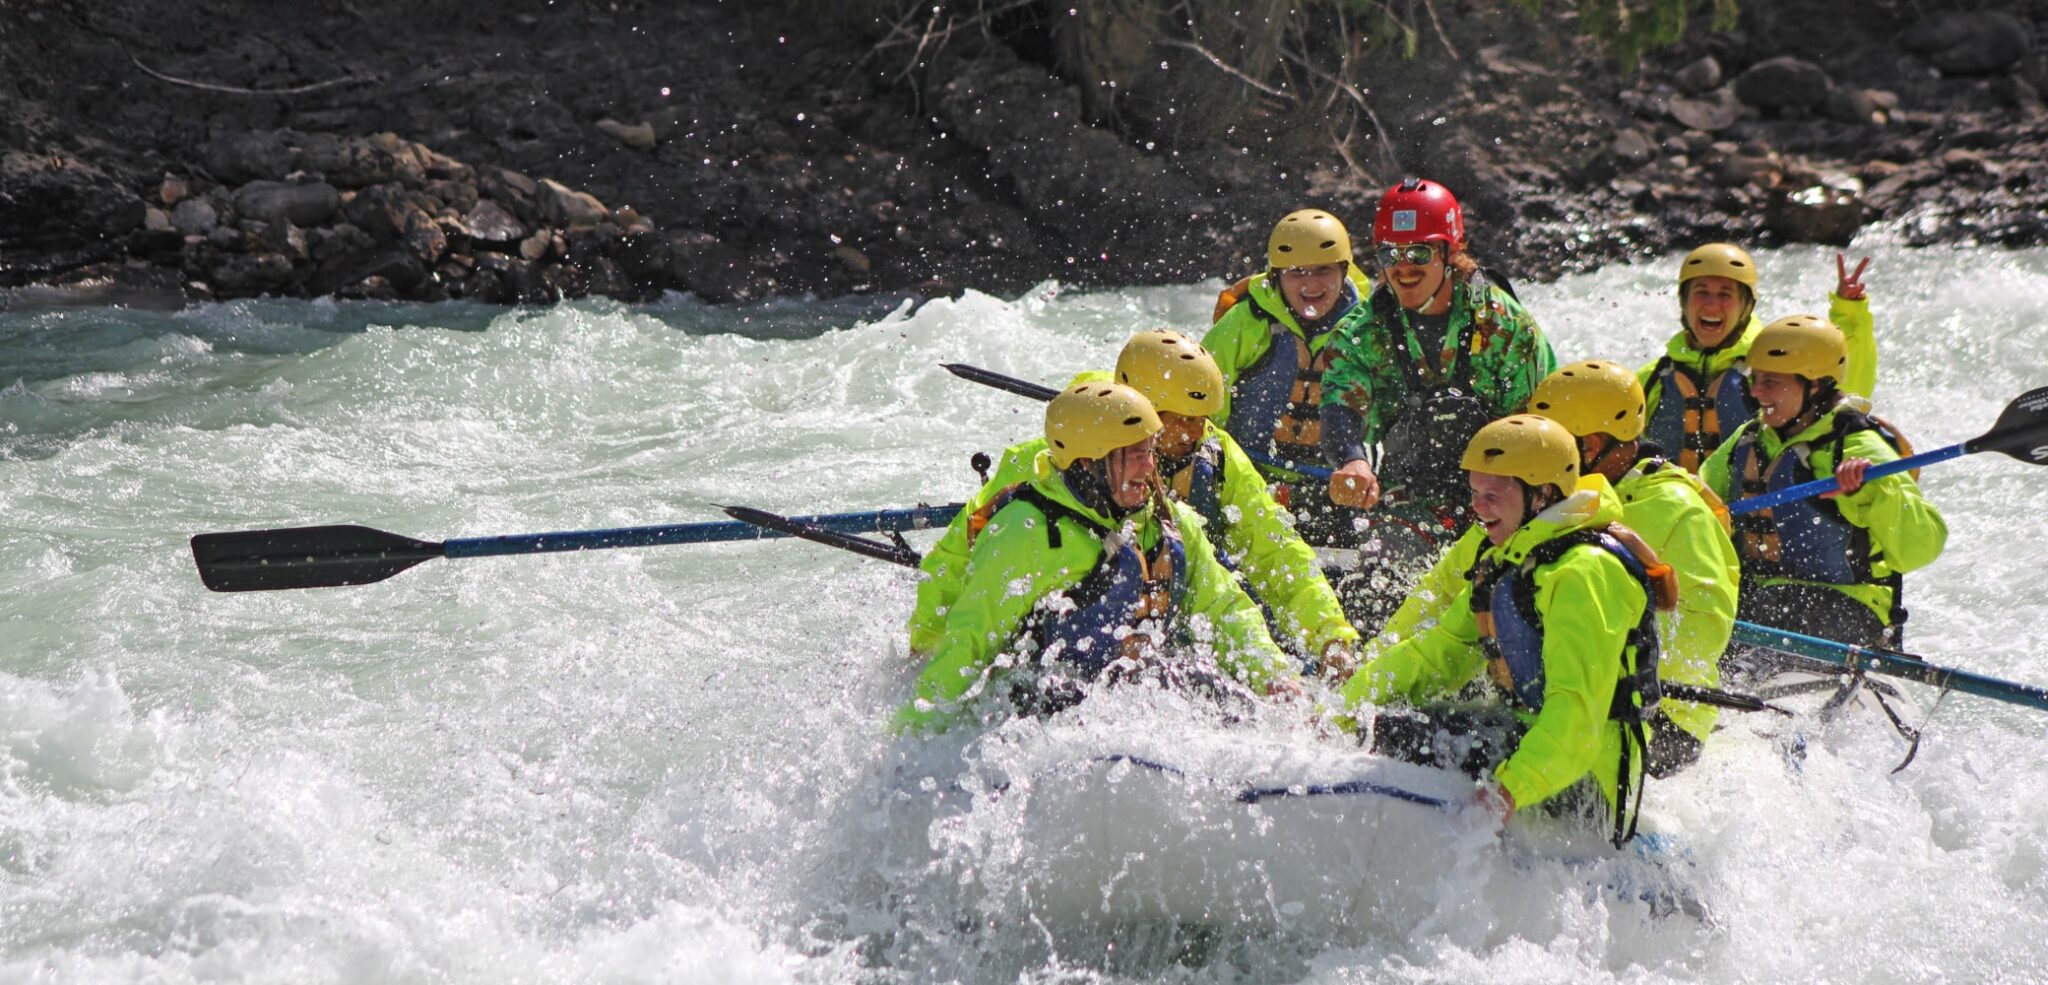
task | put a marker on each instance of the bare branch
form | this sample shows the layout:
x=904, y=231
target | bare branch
x=239, y=91
x=1227, y=68
x=1430, y=6
x=1386, y=143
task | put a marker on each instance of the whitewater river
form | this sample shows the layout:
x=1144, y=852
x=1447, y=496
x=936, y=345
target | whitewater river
x=668, y=764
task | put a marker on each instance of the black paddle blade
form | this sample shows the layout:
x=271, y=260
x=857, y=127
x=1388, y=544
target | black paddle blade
x=1007, y=384
x=2021, y=432
x=819, y=535
x=304, y=557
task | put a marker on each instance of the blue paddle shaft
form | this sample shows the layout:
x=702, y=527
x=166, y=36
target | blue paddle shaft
x=865, y=521
x=1817, y=487
x=1892, y=665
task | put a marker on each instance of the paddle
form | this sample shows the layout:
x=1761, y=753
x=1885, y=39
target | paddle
x=331, y=556
x=1024, y=388
x=893, y=553
x=2021, y=433
x=1893, y=663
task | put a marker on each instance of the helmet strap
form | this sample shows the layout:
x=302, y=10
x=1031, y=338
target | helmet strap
x=1088, y=480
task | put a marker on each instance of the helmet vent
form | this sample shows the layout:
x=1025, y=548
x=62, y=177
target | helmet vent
x=1133, y=419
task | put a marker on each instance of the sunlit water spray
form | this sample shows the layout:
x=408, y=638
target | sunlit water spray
x=669, y=764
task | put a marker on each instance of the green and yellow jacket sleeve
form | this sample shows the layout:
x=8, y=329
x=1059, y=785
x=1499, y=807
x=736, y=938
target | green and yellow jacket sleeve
x=1853, y=318
x=1902, y=523
x=1009, y=569
x=1275, y=561
x=1590, y=603
x=1436, y=661
x=1666, y=509
x=944, y=567
x=1223, y=615
x=1242, y=337
x=1433, y=594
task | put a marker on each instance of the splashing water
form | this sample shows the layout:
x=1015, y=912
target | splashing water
x=669, y=764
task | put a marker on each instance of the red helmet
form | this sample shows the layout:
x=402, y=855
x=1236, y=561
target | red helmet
x=1419, y=211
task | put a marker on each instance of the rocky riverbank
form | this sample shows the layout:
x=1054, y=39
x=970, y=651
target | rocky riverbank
x=538, y=150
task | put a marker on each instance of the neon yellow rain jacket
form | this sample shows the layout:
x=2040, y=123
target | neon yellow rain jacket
x=1588, y=603
x=1279, y=568
x=1906, y=531
x=1669, y=509
x=1012, y=567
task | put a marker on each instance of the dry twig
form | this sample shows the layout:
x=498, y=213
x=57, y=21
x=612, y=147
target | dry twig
x=238, y=90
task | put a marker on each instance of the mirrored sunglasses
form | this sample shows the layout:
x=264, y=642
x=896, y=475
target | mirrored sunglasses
x=1419, y=254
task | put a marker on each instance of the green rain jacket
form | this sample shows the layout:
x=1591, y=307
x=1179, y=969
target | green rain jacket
x=1241, y=337
x=1277, y=565
x=1906, y=531
x=1012, y=567
x=1670, y=509
x=1852, y=317
x=1588, y=603
x=1507, y=356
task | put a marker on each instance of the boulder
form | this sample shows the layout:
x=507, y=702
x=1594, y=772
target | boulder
x=299, y=204
x=1970, y=43
x=1711, y=113
x=236, y=158
x=488, y=222
x=384, y=211
x=1699, y=77
x=195, y=216
x=1784, y=82
x=1815, y=214
x=712, y=269
x=639, y=136
x=1852, y=105
x=515, y=191
x=1633, y=147
x=243, y=275
x=563, y=206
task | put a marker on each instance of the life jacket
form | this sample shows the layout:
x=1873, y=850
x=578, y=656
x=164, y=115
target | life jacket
x=1228, y=298
x=1809, y=539
x=1439, y=415
x=1200, y=484
x=1503, y=602
x=1298, y=427
x=1694, y=414
x=1122, y=609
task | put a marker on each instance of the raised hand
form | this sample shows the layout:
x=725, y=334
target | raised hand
x=1849, y=286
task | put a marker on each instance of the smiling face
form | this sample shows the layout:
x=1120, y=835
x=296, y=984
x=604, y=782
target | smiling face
x=1179, y=435
x=1312, y=291
x=1780, y=397
x=1419, y=286
x=1130, y=471
x=1711, y=308
x=1498, y=503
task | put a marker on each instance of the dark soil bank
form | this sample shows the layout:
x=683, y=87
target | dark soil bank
x=524, y=150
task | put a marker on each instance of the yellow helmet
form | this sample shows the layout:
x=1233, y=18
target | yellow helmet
x=1173, y=371
x=1536, y=450
x=1307, y=237
x=1803, y=345
x=1719, y=260
x=1090, y=420
x=1592, y=397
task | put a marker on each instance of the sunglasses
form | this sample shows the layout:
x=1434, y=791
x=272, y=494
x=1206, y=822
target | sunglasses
x=1419, y=254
